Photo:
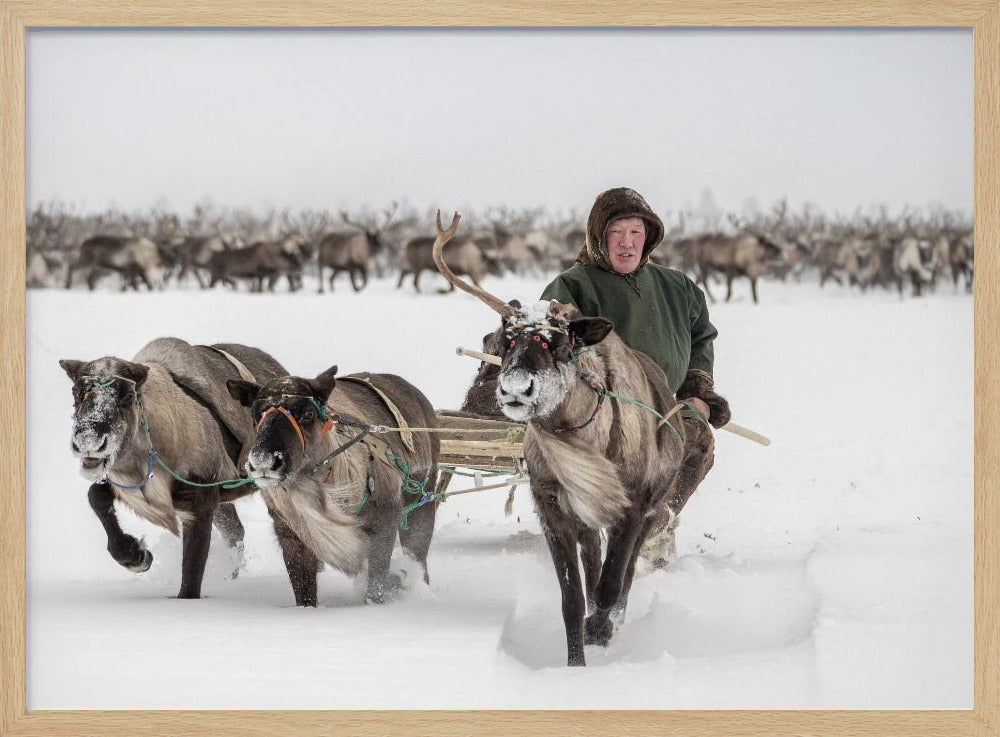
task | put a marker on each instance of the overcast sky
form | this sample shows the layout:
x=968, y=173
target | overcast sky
x=471, y=118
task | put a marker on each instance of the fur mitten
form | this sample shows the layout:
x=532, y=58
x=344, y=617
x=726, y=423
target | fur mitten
x=699, y=384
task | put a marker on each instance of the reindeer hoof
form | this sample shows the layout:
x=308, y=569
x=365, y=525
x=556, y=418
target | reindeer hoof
x=597, y=630
x=143, y=565
x=387, y=590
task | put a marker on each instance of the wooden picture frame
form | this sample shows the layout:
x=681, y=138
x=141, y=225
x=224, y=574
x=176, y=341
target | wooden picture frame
x=983, y=16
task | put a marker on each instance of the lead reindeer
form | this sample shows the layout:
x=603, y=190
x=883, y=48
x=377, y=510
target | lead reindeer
x=593, y=467
x=160, y=434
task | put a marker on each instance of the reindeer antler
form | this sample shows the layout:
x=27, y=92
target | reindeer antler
x=443, y=236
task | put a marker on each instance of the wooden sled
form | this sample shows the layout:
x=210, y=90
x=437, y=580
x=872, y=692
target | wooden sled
x=490, y=448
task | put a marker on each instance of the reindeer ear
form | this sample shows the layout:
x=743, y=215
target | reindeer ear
x=589, y=330
x=134, y=371
x=244, y=392
x=516, y=304
x=72, y=368
x=323, y=384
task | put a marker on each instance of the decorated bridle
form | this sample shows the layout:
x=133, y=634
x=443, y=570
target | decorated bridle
x=536, y=330
x=286, y=413
x=95, y=383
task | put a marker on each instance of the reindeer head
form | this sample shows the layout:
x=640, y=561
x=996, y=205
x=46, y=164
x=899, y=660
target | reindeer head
x=375, y=234
x=289, y=414
x=538, y=347
x=106, y=410
x=538, y=352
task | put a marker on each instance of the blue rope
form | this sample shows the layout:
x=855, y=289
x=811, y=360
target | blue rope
x=411, y=486
x=151, y=457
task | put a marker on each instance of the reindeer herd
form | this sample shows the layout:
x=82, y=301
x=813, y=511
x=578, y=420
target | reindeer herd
x=915, y=251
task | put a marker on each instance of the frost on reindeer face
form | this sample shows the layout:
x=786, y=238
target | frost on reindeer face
x=285, y=417
x=100, y=425
x=532, y=381
x=525, y=395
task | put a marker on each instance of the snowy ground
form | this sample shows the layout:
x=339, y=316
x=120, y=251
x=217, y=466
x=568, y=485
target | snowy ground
x=831, y=570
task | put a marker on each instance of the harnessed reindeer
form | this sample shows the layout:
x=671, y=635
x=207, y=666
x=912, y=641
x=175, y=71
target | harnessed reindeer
x=161, y=435
x=334, y=493
x=592, y=466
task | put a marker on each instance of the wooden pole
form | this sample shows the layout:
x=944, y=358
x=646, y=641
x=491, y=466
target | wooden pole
x=488, y=357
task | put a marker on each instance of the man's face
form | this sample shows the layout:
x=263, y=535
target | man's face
x=625, y=239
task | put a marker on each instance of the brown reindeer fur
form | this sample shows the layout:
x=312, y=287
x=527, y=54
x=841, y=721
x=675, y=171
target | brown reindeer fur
x=316, y=514
x=603, y=468
x=196, y=429
x=465, y=257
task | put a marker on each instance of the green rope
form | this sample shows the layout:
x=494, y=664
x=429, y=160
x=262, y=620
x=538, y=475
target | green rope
x=411, y=486
x=426, y=498
x=638, y=403
x=369, y=484
x=226, y=484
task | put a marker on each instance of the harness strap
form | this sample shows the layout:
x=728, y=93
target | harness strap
x=673, y=410
x=404, y=430
x=363, y=431
x=243, y=371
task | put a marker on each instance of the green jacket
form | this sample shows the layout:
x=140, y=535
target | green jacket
x=656, y=310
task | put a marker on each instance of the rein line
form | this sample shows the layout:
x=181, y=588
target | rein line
x=152, y=457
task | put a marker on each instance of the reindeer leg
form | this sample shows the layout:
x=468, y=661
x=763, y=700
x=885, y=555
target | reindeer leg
x=561, y=539
x=753, y=288
x=590, y=554
x=381, y=583
x=416, y=538
x=621, y=543
x=416, y=280
x=227, y=522
x=618, y=611
x=355, y=280
x=729, y=285
x=300, y=562
x=703, y=278
x=402, y=275
x=125, y=549
x=658, y=545
x=197, y=537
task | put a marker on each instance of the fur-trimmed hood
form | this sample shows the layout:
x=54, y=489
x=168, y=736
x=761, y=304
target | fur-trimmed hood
x=614, y=204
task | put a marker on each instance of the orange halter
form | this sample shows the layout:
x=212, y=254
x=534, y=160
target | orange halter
x=288, y=416
x=327, y=425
